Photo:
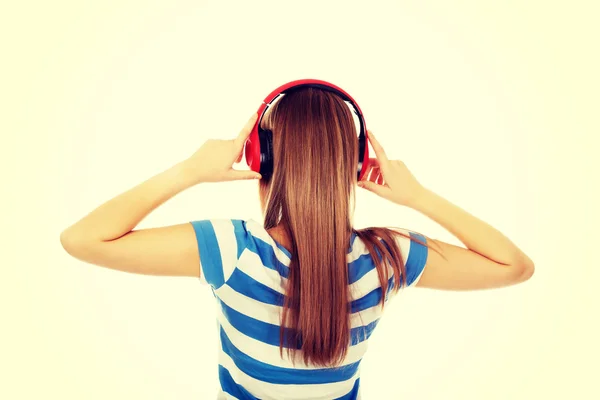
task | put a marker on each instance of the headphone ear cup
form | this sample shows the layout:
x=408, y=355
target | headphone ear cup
x=265, y=136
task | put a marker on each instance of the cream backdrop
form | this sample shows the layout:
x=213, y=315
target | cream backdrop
x=492, y=104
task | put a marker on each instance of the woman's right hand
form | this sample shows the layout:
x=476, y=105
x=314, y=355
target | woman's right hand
x=390, y=179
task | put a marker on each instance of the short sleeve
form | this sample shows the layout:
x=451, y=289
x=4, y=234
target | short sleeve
x=220, y=244
x=414, y=255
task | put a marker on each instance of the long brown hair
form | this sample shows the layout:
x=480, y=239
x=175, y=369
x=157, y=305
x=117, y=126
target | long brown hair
x=311, y=196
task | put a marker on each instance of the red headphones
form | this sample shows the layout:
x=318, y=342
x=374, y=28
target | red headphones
x=258, y=149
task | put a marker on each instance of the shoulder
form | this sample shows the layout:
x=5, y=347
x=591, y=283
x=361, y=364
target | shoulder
x=221, y=233
x=413, y=251
x=220, y=242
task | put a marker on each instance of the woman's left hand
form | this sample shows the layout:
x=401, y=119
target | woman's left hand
x=213, y=161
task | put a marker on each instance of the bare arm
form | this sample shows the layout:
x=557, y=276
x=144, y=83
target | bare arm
x=106, y=236
x=490, y=259
x=123, y=213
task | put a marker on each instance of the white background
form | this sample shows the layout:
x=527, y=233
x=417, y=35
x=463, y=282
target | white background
x=491, y=104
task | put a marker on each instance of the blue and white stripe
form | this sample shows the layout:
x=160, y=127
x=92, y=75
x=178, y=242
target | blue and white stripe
x=247, y=272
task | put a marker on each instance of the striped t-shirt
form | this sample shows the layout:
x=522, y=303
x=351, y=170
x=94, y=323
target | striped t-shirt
x=246, y=270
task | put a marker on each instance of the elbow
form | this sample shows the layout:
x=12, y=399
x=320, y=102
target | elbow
x=79, y=245
x=521, y=269
x=526, y=270
x=70, y=242
x=66, y=241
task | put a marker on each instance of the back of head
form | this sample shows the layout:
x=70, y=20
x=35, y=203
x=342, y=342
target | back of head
x=311, y=196
x=315, y=150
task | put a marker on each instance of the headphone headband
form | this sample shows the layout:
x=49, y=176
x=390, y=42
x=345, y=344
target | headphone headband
x=258, y=154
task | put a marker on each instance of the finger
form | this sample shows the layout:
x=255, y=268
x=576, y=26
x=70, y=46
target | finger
x=245, y=132
x=379, y=152
x=373, y=174
x=376, y=176
x=380, y=190
x=239, y=159
x=235, y=174
x=380, y=180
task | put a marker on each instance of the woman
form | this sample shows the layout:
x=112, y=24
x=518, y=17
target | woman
x=299, y=295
